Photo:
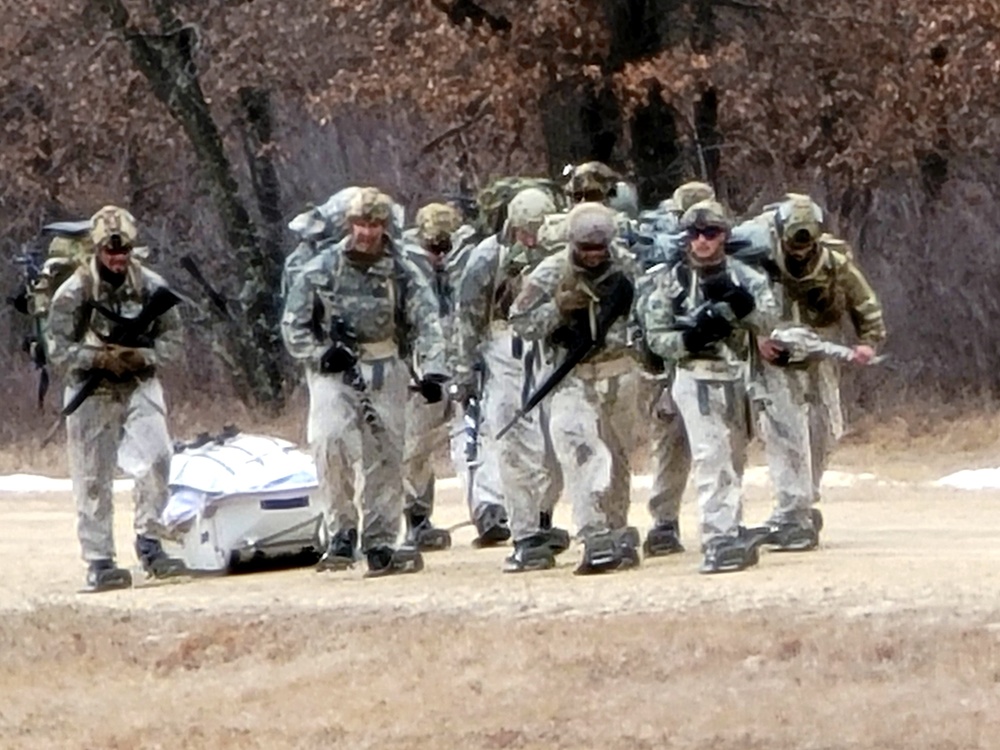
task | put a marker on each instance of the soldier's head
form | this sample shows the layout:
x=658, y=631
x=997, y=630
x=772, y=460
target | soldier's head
x=525, y=214
x=690, y=193
x=706, y=225
x=591, y=228
x=369, y=216
x=592, y=182
x=113, y=234
x=436, y=223
x=799, y=221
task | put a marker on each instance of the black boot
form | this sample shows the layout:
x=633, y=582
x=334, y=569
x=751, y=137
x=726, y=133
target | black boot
x=491, y=524
x=155, y=561
x=791, y=533
x=423, y=535
x=732, y=553
x=386, y=561
x=104, y=575
x=609, y=550
x=557, y=539
x=340, y=551
x=531, y=553
x=663, y=539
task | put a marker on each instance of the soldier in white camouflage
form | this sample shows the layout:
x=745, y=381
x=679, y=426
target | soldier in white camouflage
x=582, y=297
x=817, y=283
x=528, y=469
x=123, y=420
x=670, y=455
x=352, y=317
x=698, y=317
x=436, y=249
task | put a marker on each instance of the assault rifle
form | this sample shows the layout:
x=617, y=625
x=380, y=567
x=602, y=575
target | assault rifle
x=803, y=345
x=342, y=335
x=128, y=332
x=616, y=302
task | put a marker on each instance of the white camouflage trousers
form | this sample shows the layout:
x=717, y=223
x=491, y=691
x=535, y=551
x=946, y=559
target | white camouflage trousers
x=353, y=458
x=714, y=414
x=528, y=470
x=669, y=454
x=801, y=422
x=124, y=425
x=430, y=426
x=589, y=443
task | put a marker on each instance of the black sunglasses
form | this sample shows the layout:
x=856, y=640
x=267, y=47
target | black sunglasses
x=709, y=233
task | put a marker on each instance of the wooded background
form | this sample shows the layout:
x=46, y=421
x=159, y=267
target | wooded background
x=216, y=121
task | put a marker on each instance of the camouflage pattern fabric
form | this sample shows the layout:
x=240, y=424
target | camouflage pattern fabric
x=429, y=426
x=367, y=296
x=709, y=387
x=592, y=451
x=122, y=422
x=669, y=453
x=526, y=463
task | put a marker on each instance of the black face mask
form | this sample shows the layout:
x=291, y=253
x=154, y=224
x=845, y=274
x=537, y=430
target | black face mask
x=106, y=274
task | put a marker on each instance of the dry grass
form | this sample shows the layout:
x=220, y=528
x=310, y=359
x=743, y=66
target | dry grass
x=313, y=680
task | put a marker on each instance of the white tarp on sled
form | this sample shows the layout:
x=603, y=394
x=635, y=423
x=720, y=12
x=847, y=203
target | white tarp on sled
x=241, y=498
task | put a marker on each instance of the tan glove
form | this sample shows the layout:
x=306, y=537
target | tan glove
x=119, y=360
x=570, y=297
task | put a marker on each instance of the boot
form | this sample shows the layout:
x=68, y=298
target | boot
x=104, y=575
x=386, y=561
x=816, y=516
x=531, y=553
x=731, y=553
x=340, y=551
x=491, y=524
x=790, y=533
x=558, y=539
x=609, y=550
x=423, y=535
x=155, y=561
x=662, y=540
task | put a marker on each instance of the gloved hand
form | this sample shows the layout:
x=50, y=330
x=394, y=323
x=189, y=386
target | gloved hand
x=721, y=288
x=709, y=327
x=432, y=387
x=119, y=360
x=337, y=358
x=570, y=297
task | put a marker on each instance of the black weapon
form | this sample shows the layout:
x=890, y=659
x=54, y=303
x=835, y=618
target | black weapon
x=127, y=332
x=341, y=334
x=614, y=304
x=220, y=302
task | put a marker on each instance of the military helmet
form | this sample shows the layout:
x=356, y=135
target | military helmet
x=111, y=222
x=799, y=220
x=437, y=221
x=588, y=179
x=704, y=215
x=591, y=224
x=528, y=208
x=690, y=193
x=370, y=204
x=494, y=200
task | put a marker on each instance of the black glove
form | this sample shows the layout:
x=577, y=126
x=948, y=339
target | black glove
x=710, y=326
x=432, y=387
x=338, y=358
x=721, y=288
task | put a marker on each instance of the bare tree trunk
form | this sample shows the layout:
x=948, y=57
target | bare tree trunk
x=166, y=60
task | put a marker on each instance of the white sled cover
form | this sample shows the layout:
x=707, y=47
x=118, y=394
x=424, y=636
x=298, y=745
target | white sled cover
x=240, y=498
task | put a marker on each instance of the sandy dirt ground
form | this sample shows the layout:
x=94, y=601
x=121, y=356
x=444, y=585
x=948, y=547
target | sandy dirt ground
x=887, y=637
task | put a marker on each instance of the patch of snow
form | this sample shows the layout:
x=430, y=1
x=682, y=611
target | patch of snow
x=971, y=479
